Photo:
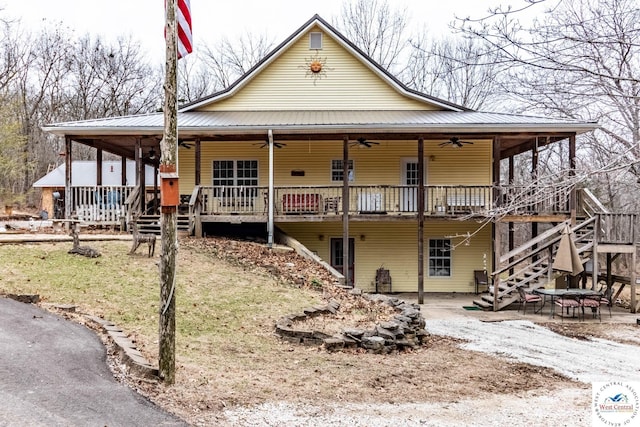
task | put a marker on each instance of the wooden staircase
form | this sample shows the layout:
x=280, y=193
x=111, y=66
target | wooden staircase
x=150, y=224
x=530, y=265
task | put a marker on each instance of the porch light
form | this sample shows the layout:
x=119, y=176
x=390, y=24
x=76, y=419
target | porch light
x=152, y=154
x=320, y=237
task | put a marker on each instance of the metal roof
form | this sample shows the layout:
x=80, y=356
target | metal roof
x=83, y=174
x=320, y=121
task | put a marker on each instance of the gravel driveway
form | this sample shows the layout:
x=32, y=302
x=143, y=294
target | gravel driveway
x=519, y=340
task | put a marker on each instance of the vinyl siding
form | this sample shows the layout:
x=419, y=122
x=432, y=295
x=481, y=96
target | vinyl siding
x=394, y=247
x=343, y=84
x=381, y=164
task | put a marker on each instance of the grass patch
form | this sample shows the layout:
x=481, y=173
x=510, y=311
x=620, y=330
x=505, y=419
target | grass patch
x=219, y=308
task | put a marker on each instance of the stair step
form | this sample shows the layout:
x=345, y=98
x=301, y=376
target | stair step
x=483, y=304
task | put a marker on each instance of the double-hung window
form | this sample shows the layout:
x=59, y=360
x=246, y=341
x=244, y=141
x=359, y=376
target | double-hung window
x=337, y=171
x=235, y=181
x=439, y=258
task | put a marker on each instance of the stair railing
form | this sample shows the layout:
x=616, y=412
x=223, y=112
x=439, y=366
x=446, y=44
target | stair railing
x=536, y=257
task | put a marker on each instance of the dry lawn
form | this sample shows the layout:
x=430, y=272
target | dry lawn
x=229, y=296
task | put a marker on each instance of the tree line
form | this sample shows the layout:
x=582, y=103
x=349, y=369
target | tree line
x=569, y=59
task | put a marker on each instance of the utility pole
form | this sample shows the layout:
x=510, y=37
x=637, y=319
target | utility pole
x=169, y=198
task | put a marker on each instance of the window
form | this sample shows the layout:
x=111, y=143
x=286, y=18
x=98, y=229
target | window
x=337, y=172
x=315, y=41
x=235, y=174
x=439, y=258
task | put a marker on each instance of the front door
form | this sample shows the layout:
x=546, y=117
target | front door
x=409, y=196
x=337, y=258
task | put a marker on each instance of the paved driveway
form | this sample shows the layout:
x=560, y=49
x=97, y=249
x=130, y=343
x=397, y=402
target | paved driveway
x=53, y=373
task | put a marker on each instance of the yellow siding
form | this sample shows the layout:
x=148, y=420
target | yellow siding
x=343, y=84
x=187, y=170
x=380, y=164
x=373, y=240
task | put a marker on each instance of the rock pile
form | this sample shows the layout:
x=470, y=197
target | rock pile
x=404, y=330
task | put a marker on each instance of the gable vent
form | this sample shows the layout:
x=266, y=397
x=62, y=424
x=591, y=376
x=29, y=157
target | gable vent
x=315, y=41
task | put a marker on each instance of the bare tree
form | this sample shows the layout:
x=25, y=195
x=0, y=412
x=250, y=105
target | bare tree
x=14, y=161
x=224, y=63
x=580, y=60
x=377, y=30
x=458, y=70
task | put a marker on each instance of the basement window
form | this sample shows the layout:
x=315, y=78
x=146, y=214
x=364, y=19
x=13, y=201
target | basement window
x=315, y=41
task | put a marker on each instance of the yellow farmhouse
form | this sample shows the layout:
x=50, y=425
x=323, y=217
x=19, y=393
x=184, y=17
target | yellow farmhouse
x=320, y=144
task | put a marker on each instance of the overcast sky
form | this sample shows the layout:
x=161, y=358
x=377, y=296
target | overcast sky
x=213, y=19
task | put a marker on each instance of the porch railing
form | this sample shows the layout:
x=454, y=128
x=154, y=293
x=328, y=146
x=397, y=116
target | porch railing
x=108, y=203
x=100, y=203
x=327, y=200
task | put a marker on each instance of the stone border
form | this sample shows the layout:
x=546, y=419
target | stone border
x=405, y=330
x=127, y=351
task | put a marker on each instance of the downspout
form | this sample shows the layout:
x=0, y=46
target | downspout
x=270, y=193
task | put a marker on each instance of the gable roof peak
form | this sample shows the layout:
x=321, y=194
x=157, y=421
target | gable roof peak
x=316, y=19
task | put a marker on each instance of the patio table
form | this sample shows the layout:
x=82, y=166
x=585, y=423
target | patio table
x=559, y=293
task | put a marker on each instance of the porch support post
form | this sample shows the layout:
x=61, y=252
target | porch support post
x=496, y=223
x=270, y=194
x=155, y=188
x=99, y=167
x=595, y=268
x=511, y=224
x=632, y=280
x=139, y=173
x=68, y=160
x=420, y=220
x=123, y=171
x=345, y=210
x=534, y=172
x=198, y=154
x=572, y=173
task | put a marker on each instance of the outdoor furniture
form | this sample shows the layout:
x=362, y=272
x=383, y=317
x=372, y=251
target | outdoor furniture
x=563, y=297
x=607, y=302
x=480, y=278
x=528, y=297
x=301, y=203
x=383, y=280
x=332, y=204
x=592, y=302
x=568, y=302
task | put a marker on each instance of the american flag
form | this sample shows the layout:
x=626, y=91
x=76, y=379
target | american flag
x=184, y=28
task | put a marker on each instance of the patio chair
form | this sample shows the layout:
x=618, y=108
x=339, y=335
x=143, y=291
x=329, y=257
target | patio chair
x=528, y=297
x=605, y=298
x=480, y=278
x=568, y=303
x=593, y=302
x=607, y=302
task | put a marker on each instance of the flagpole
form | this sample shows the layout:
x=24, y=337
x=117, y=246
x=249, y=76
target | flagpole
x=169, y=198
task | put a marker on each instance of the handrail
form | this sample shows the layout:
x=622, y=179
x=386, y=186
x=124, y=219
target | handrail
x=592, y=198
x=132, y=196
x=539, y=239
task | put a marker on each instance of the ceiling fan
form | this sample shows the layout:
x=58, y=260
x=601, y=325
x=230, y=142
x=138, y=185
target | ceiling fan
x=275, y=144
x=185, y=144
x=364, y=143
x=455, y=142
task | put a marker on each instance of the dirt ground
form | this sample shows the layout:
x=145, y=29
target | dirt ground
x=443, y=382
x=441, y=372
